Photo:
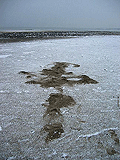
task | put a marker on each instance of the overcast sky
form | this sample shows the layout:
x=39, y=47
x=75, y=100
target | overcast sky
x=60, y=13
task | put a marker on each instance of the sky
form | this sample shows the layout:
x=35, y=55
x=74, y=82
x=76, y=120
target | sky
x=75, y=14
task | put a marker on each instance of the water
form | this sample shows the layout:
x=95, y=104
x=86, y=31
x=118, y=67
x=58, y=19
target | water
x=88, y=129
x=55, y=29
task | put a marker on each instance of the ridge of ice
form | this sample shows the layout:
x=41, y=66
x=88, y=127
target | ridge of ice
x=112, y=110
x=5, y=56
x=0, y=128
x=96, y=133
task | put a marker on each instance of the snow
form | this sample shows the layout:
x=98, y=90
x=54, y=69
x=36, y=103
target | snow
x=96, y=133
x=0, y=128
x=95, y=112
x=5, y=56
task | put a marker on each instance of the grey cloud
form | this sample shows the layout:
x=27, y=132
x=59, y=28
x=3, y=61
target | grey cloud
x=60, y=13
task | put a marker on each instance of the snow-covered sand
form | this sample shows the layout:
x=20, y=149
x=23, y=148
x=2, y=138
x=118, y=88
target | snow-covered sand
x=89, y=129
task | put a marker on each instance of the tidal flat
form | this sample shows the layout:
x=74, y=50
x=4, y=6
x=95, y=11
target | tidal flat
x=59, y=98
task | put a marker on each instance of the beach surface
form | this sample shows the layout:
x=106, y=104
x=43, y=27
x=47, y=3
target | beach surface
x=59, y=98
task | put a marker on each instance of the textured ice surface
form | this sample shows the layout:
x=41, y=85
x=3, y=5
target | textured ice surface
x=87, y=125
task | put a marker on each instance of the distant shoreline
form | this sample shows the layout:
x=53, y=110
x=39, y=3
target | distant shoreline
x=16, y=36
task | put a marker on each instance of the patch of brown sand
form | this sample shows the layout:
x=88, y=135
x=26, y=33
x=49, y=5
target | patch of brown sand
x=54, y=131
x=56, y=77
x=57, y=101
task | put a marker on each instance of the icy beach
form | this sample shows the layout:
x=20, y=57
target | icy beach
x=59, y=98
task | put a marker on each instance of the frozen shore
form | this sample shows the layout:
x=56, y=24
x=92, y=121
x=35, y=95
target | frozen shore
x=59, y=99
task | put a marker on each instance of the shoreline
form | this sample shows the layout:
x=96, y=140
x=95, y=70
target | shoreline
x=17, y=36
